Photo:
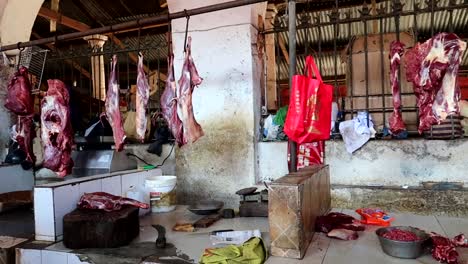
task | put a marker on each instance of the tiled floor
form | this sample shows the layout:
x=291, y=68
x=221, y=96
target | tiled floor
x=323, y=250
x=366, y=250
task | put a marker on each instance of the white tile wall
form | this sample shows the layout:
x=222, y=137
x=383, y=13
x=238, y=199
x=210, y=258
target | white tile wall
x=54, y=257
x=129, y=181
x=28, y=256
x=90, y=186
x=44, y=213
x=74, y=259
x=52, y=203
x=65, y=199
x=112, y=185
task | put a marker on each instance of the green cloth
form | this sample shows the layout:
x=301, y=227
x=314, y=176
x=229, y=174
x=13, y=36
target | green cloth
x=252, y=251
x=281, y=116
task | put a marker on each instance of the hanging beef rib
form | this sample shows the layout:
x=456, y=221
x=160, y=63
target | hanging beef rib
x=112, y=113
x=142, y=96
x=169, y=104
x=56, y=129
x=192, y=131
x=432, y=67
x=396, y=120
x=107, y=202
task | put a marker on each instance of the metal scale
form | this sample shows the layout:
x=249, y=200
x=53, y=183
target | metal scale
x=94, y=155
x=253, y=203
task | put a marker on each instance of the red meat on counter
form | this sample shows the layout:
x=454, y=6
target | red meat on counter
x=107, y=202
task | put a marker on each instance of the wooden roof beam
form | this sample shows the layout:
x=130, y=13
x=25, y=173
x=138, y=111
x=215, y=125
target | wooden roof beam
x=79, y=26
x=63, y=20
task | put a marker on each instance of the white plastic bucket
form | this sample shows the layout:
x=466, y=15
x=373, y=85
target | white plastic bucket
x=162, y=193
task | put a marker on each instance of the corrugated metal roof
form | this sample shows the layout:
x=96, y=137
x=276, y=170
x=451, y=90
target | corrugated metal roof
x=441, y=23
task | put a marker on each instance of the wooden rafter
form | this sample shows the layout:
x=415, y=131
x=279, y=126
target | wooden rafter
x=79, y=26
x=63, y=20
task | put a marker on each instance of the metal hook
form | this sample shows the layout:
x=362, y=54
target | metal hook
x=186, y=30
x=169, y=35
x=19, y=55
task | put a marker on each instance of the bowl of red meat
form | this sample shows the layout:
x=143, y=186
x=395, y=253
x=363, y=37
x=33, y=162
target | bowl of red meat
x=403, y=241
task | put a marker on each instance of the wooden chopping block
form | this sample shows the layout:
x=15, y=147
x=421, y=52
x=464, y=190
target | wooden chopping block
x=207, y=221
x=100, y=229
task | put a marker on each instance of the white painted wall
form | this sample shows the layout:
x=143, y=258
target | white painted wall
x=272, y=160
x=381, y=162
x=17, y=20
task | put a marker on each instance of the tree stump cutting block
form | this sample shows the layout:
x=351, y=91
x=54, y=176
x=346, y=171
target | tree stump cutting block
x=100, y=229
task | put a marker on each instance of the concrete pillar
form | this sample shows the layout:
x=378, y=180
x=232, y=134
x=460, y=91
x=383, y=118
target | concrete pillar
x=96, y=42
x=227, y=103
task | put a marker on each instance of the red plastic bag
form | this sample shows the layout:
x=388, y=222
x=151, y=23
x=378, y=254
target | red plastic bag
x=309, y=113
x=308, y=154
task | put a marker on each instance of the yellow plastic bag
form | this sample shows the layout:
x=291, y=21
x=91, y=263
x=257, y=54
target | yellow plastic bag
x=253, y=251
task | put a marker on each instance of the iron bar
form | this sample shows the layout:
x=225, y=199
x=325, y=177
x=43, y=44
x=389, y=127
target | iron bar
x=415, y=17
x=129, y=90
x=397, y=7
x=319, y=46
x=98, y=70
x=379, y=109
x=364, y=14
x=415, y=20
x=432, y=16
x=292, y=72
x=382, y=70
x=134, y=24
x=370, y=18
x=334, y=17
x=278, y=69
x=350, y=61
x=98, y=53
x=91, y=92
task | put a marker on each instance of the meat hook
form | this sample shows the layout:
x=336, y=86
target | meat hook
x=186, y=30
x=19, y=55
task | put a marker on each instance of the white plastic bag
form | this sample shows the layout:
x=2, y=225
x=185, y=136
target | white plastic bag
x=356, y=133
x=270, y=129
x=234, y=237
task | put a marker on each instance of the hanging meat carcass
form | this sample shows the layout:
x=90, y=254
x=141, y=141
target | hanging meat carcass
x=432, y=67
x=19, y=99
x=396, y=120
x=20, y=102
x=169, y=104
x=24, y=136
x=107, y=202
x=56, y=129
x=142, y=96
x=187, y=82
x=112, y=113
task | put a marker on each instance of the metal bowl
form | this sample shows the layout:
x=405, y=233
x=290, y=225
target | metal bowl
x=206, y=207
x=403, y=249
